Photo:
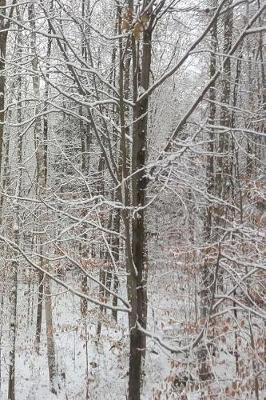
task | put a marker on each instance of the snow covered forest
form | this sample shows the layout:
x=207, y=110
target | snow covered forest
x=132, y=199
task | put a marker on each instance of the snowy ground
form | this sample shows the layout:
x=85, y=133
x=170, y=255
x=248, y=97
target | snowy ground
x=108, y=355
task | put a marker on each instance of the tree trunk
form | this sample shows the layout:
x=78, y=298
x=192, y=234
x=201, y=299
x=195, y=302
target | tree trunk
x=224, y=165
x=3, y=42
x=53, y=376
x=39, y=312
x=138, y=279
x=40, y=137
x=207, y=268
x=13, y=325
x=39, y=161
x=16, y=227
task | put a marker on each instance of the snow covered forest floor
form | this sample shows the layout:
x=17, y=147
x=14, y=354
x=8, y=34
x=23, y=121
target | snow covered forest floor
x=78, y=346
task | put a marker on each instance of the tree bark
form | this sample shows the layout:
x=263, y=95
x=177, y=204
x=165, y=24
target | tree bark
x=138, y=281
x=3, y=43
x=52, y=368
x=207, y=268
x=39, y=150
x=16, y=227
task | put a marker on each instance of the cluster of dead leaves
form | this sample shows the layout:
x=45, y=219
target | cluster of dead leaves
x=136, y=27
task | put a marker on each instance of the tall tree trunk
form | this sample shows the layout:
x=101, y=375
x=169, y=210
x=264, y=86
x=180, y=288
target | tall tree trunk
x=41, y=140
x=122, y=194
x=85, y=140
x=4, y=27
x=42, y=173
x=3, y=43
x=224, y=165
x=39, y=159
x=237, y=193
x=206, y=271
x=138, y=278
x=16, y=227
x=43, y=177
